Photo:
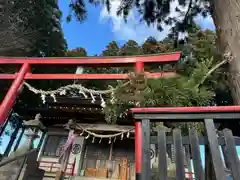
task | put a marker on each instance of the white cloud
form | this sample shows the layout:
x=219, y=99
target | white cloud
x=134, y=29
x=206, y=23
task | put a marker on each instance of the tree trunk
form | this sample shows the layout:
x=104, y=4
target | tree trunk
x=226, y=17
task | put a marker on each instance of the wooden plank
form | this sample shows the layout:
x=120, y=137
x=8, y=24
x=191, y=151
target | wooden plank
x=178, y=151
x=111, y=151
x=84, y=166
x=195, y=109
x=186, y=141
x=196, y=156
x=91, y=163
x=103, y=164
x=209, y=170
x=109, y=166
x=188, y=162
x=115, y=170
x=132, y=171
x=225, y=157
x=98, y=164
x=101, y=173
x=180, y=117
x=214, y=148
x=188, y=155
x=146, y=149
x=123, y=175
x=90, y=172
x=232, y=156
x=162, y=155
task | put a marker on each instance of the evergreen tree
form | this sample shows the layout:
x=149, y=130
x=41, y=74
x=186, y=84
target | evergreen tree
x=150, y=46
x=194, y=87
x=15, y=37
x=112, y=49
x=77, y=52
x=45, y=19
x=224, y=14
x=130, y=48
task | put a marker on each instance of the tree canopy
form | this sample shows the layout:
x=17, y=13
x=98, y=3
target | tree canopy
x=180, y=16
x=191, y=88
x=194, y=85
x=37, y=29
x=200, y=81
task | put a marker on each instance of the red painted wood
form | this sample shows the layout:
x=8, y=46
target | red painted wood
x=206, y=109
x=170, y=57
x=138, y=147
x=85, y=76
x=78, y=76
x=12, y=93
x=139, y=67
x=8, y=76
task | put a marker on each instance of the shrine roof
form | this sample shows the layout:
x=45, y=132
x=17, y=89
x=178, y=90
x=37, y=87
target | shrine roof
x=65, y=108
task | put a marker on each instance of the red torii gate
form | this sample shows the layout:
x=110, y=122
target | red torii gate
x=138, y=61
x=25, y=73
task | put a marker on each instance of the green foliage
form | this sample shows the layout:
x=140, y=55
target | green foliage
x=77, y=52
x=130, y=48
x=180, y=15
x=154, y=12
x=192, y=88
x=112, y=49
x=152, y=46
x=163, y=92
x=39, y=22
x=43, y=18
x=201, y=48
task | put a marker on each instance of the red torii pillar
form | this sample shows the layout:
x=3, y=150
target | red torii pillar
x=139, y=67
x=12, y=93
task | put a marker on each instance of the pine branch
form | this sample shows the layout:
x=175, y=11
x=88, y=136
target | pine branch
x=211, y=71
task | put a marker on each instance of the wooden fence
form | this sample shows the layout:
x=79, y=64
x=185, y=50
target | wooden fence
x=215, y=167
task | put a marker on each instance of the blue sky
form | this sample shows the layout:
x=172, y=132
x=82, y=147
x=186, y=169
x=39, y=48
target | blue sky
x=5, y=138
x=101, y=27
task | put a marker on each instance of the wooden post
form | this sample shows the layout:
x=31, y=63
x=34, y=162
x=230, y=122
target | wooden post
x=215, y=152
x=123, y=171
x=12, y=93
x=196, y=156
x=162, y=158
x=145, y=150
x=178, y=151
x=139, y=67
x=231, y=153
